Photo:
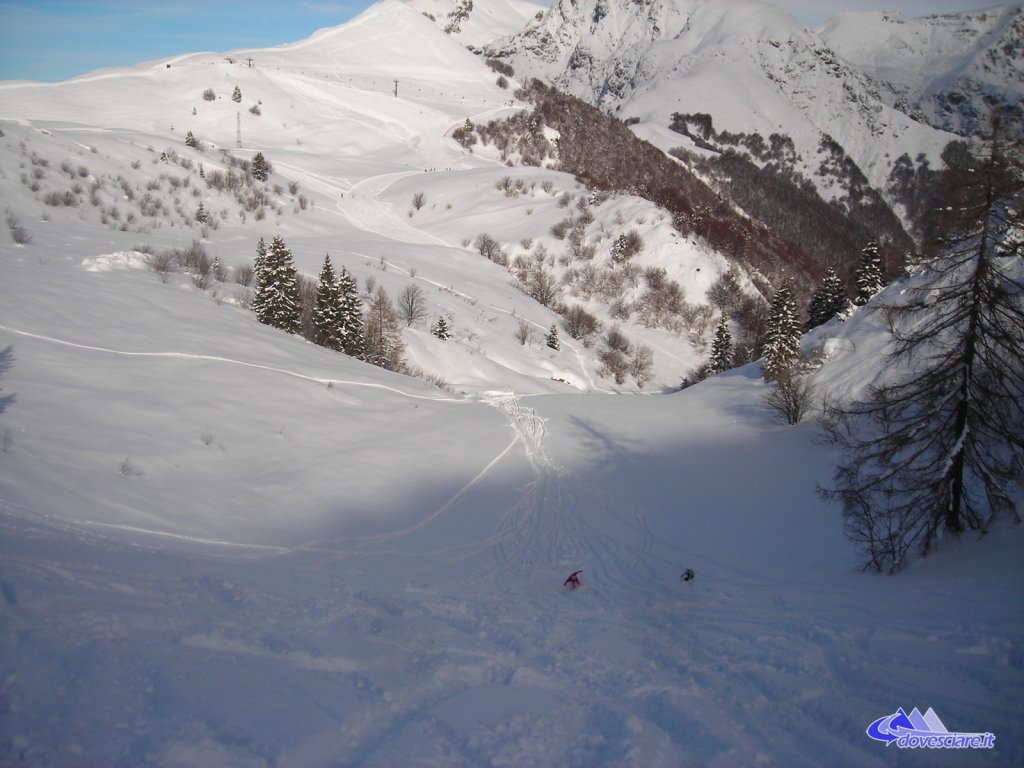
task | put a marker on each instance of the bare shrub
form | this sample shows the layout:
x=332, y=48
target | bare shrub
x=663, y=301
x=640, y=364
x=580, y=324
x=524, y=332
x=163, y=263
x=68, y=199
x=18, y=233
x=244, y=274
x=209, y=95
x=511, y=188
x=490, y=249
x=430, y=378
x=541, y=284
x=561, y=229
x=614, y=355
x=790, y=396
x=419, y=200
x=129, y=469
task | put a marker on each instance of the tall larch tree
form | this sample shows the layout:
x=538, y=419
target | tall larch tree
x=382, y=333
x=939, y=448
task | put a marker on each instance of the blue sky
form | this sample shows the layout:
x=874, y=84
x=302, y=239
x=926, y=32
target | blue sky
x=54, y=40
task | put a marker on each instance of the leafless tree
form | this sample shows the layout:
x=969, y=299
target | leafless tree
x=412, y=305
x=790, y=396
x=524, y=332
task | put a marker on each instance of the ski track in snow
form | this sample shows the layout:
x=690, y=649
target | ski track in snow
x=627, y=670
x=549, y=523
x=230, y=361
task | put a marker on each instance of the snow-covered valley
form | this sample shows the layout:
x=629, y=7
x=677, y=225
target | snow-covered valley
x=222, y=545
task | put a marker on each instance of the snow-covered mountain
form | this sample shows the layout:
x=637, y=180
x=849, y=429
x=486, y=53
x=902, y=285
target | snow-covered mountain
x=948, y=70
x=752, y=67
x=221, y=545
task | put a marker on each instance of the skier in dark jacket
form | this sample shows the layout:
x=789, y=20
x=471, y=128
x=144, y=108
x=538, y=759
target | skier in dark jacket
x=573, y=580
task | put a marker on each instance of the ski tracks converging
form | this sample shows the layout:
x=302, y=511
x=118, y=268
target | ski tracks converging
x=552, y=524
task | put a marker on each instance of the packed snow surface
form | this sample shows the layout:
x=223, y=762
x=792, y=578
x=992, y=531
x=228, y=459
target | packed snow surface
x=223, y=546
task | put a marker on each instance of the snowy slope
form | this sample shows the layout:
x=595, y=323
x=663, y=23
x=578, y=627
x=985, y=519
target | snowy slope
x=948, y=69
x=335, y=132
x=223, y=546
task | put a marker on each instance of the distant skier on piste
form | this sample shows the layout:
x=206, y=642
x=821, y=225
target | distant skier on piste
x=573, y=581
x=687, y=575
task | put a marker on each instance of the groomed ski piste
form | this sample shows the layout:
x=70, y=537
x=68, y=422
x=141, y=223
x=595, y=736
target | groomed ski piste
x=223, y=546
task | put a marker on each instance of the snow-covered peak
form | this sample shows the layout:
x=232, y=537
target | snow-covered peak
x=390, y=37
x=947, y=69
x=748, y=63
x=477, y=24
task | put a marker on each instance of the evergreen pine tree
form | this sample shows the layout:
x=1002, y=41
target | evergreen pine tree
x=721, y=348
x=191, y=141
x=553, y=338
x=440, y=329
x=280, y=306
x=260, y=167
x=828, y=301
x=619, y=249
x=236, y=95
x=259, y=279
x=327, y=309
x=868, y=276
x=782, y=348
x=201, y=215
x=350, y=319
